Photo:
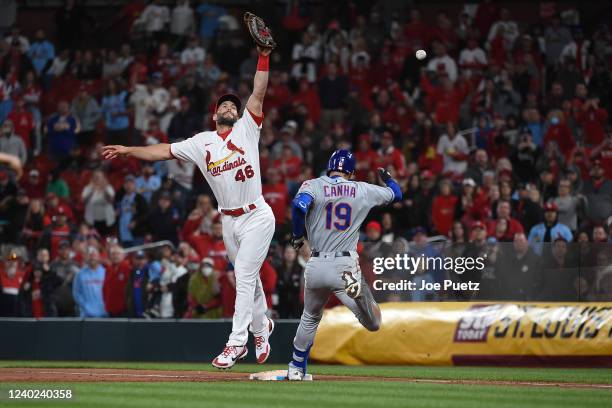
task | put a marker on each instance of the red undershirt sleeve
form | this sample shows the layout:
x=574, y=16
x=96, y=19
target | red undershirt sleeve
x=257, y=119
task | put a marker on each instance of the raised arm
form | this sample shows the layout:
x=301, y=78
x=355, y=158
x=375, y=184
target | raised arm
x=13, y=162
x=150, y=153
x=260, y=83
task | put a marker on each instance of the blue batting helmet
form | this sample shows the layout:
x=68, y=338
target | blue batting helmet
x=341, y=160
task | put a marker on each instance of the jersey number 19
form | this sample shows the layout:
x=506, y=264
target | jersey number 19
x=342, y=214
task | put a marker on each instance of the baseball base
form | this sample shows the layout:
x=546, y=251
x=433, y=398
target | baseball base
x=276, y=375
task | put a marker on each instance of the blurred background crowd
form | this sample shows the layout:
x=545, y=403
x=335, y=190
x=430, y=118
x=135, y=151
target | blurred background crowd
x=500, y=139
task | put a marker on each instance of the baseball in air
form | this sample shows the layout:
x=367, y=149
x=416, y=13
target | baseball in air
x=420, y=54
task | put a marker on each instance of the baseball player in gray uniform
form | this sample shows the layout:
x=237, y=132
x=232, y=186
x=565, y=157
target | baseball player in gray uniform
x=331, y=209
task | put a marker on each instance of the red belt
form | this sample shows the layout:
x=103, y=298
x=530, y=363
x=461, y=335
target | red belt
x=237, y=212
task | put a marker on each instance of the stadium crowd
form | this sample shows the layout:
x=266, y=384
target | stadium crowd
x=500, y=140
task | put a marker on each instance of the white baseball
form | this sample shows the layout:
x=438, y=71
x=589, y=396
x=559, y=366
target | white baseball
x=420, y=54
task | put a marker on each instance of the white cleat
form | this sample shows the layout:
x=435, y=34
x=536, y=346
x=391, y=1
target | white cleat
x=262, y=344
x=229, y=356
x=295, y=373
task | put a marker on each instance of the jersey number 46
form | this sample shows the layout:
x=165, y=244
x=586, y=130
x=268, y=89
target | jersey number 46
x=342, y=214
x=247, y=174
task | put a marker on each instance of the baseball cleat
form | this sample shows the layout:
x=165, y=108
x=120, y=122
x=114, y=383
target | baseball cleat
x=229, y=356
x=295, y=373
x=262, y=344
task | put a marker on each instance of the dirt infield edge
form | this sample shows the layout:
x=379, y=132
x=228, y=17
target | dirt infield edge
x=91, y=375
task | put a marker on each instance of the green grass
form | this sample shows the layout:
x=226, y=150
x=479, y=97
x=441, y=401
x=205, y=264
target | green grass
x=309, y=395
x=319, y=394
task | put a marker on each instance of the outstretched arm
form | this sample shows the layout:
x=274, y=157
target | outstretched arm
x=13, y=162
x=150, y=153
x=260, y=83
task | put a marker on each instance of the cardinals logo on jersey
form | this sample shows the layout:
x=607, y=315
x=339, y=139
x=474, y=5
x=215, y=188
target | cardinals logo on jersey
x=217, y=167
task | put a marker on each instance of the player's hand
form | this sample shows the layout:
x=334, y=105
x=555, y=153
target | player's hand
x=297, y=242
x=384, y=175
x=264, y=50
x=113, y=151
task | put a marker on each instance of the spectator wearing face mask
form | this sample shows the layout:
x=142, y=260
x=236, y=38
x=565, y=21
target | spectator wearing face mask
x=203, y=293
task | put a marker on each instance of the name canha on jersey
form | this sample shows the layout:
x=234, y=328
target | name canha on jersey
x=338, y=209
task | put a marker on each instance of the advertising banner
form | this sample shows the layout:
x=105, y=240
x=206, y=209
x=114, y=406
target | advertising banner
x=460, y=333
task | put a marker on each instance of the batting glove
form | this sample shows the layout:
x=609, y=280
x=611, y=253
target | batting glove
x=384, y=175
x=297, y=242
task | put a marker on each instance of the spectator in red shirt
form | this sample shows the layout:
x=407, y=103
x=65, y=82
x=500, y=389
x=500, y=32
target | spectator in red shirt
x=513, y=226
x=55, y=206
x=34, y=185
x=268, y=277
x=443, y=208
x=444, y=32
x=58, y=231
x=276, y=194
x=444, y=99
x=277, y=94
x=416, y=31
x=12, y=274
x=115, y=283
x=308, y=98
x=593, y=119
x=288, y=164
x=23, y=122
x=389, y=155
x=366, y=158
x=559, y=132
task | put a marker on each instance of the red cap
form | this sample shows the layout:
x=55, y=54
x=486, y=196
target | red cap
x=550, y=206
x=374, y=225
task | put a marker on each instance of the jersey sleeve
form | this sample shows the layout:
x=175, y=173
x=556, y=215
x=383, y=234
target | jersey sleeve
x=185, y=150
x=308, y=187
x=251, y=123
x=376, y=195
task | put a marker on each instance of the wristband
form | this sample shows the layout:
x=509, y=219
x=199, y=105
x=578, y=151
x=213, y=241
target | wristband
x=263, y=63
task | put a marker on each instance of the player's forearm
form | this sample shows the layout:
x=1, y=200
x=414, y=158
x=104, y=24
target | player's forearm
x=397, y=191
x=151, y=153
x=260, y=84
x=298, y=218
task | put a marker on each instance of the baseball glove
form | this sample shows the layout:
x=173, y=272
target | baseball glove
x=261, y=33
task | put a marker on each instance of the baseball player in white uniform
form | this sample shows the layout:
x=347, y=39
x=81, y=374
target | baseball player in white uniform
x=229, y=159
x=331, y=209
